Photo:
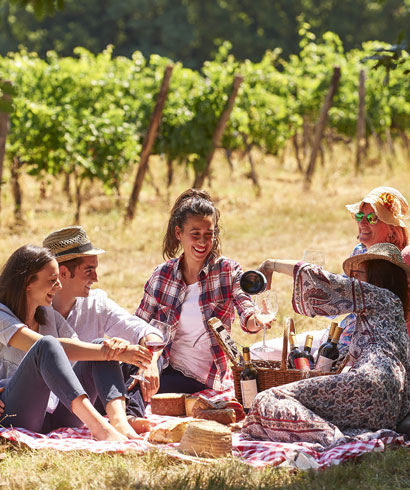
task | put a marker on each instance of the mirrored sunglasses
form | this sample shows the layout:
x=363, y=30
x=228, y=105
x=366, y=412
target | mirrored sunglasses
x=372, y=218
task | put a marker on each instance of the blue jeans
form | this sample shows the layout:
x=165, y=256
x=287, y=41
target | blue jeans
x=46, y=368
x=173, y=381
x=136, y=404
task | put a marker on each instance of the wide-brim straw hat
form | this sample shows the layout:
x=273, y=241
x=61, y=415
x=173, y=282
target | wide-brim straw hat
x=70, y=243
x=379, y=251
x=388, y=203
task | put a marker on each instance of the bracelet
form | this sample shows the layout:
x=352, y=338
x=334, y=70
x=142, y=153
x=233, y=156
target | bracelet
x=274, y=266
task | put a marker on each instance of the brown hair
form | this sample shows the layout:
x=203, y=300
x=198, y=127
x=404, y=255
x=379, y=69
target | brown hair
x=72, y=264
x=19, y=271
x=384, y=274
x=398, y=237
x=193, y=202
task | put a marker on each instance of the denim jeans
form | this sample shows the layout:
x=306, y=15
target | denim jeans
x=46, y=368
x=173, y=381
x=136, y=404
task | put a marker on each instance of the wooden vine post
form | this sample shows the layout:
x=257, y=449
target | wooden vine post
x=361, y=122
x=4, y=129
x=320, y=127
x=219, y=131
x=148, y=144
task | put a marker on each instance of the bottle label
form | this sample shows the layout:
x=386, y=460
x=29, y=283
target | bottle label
x=324, y=364
x=302, y=363
x=249, y=390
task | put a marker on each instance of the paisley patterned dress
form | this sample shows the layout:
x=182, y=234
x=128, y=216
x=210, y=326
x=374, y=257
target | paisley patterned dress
x=374, y=394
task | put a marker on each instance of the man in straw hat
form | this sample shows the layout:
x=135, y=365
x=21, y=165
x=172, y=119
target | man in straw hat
x=375, y=393
x=91, y=313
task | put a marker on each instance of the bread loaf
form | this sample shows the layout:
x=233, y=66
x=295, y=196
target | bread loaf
x=206, y=438
x=168, y=404
x=202, y=403
x=224, y=416
x=169, y=431
x=190, y=401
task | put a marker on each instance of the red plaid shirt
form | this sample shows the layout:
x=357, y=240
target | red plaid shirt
x=220, y=292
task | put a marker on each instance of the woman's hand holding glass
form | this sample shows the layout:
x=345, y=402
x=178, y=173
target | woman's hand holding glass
x=266, y=308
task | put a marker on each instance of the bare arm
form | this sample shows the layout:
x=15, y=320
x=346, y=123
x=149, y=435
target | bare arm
x=77, y=350
x=283, y=266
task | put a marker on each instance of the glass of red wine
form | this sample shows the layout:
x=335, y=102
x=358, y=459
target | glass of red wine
x=156, y=342
x=163, y=333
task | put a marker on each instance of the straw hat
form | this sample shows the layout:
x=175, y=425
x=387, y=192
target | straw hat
x=70, y=243
x=388, y=203
x=379, y=251
x=206, y=438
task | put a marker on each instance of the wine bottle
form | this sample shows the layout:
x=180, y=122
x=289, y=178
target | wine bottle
x=249, y=383
x=253, y=282
x=297, y=359
x=327, y=342
x=307, y=348
x=330, y=353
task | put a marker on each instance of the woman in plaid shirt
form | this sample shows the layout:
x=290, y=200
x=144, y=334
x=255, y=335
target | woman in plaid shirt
x=187, y=291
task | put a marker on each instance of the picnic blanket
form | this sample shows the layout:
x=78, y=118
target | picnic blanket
x=255, y=453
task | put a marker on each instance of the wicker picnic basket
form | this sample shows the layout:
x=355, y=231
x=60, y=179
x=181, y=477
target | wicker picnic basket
x=276, y=373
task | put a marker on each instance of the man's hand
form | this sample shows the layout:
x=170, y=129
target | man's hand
x=151, y=374
x=114, y=347
x=136, y=354
x=2, y=406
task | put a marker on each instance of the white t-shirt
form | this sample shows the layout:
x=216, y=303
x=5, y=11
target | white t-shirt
x=96, y=315
x=191, y=348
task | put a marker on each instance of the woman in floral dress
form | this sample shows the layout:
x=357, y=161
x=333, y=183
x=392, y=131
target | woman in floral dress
x=374, y=393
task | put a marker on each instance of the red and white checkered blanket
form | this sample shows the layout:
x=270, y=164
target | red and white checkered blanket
x=255, y=453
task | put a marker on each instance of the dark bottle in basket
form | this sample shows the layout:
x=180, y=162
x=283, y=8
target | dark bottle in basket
x=249, y=381
x=297, y=359
x=327, y=342
x=307, y=348
x=253, y=282
x=327, y=358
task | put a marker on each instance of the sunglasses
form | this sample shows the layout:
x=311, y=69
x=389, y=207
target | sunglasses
x=372, y=218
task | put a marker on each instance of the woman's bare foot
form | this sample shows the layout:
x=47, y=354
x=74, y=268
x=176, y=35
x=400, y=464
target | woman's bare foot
x=125, y=428
x=140, y=425
x=106, y=432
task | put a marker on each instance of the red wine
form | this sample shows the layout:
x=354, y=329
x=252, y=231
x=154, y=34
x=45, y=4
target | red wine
x=253, y=282
x=297, y=359
x=327, y=358
x=307, y=348
x=154, y=345
x=327, y=342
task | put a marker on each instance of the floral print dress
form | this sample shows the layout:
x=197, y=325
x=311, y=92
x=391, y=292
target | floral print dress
x=374, y=394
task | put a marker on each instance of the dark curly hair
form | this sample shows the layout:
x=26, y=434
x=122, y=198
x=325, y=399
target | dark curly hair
x=193, y=202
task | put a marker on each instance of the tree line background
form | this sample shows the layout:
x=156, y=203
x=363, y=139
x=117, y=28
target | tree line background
x=190, y=30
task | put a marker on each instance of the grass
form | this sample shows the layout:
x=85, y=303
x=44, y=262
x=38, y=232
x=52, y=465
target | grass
x=281, y=223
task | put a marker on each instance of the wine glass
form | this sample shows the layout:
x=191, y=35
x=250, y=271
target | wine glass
x=314, y=257
x=266, y=307
x=163, y=331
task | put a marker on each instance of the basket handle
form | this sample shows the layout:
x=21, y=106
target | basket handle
x=343, y=363
x=284, y=362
